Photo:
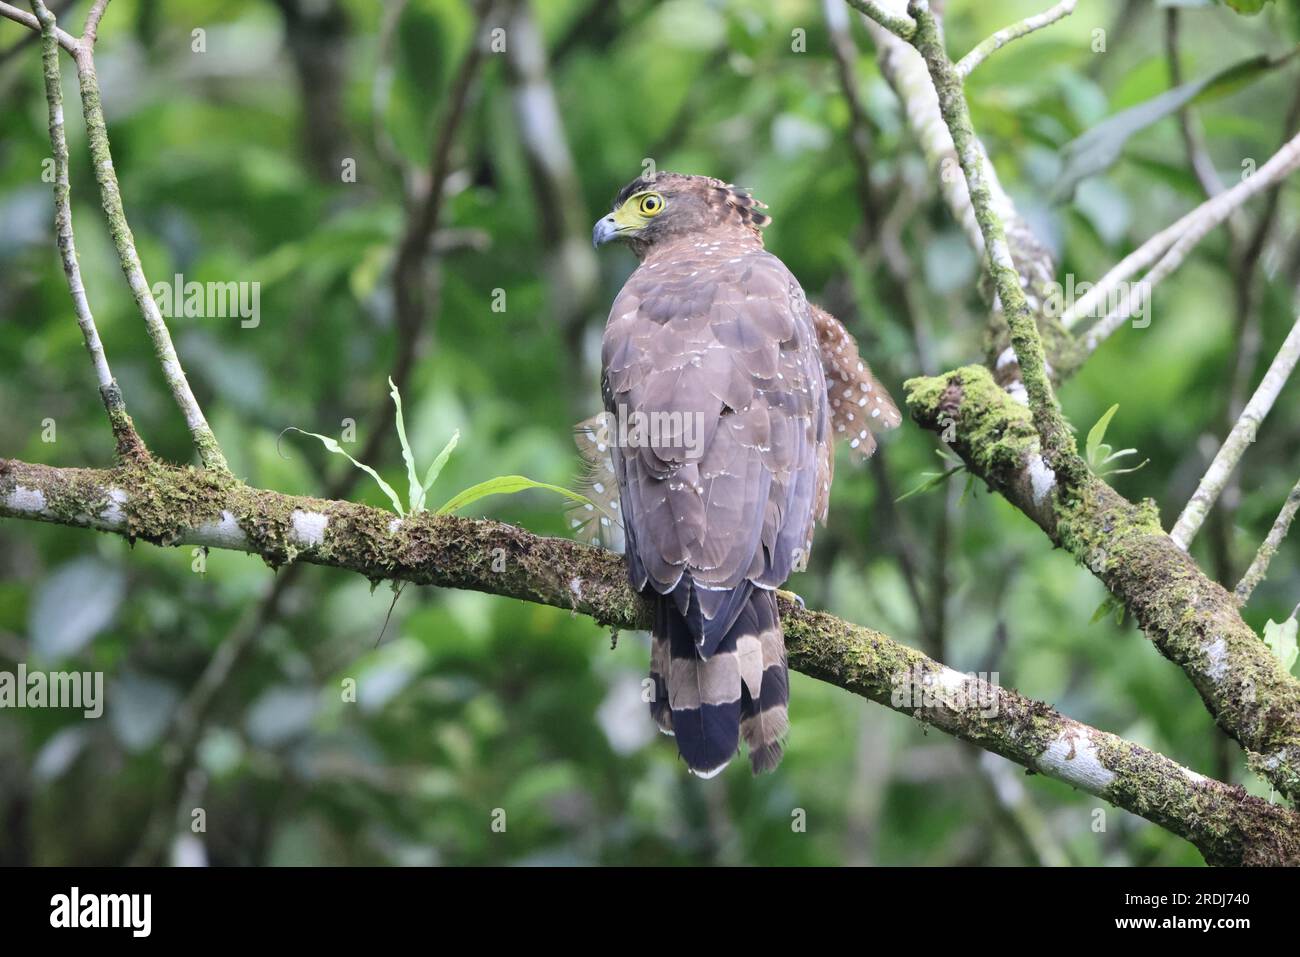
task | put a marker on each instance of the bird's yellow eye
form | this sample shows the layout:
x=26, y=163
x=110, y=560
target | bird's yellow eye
x=651, y=204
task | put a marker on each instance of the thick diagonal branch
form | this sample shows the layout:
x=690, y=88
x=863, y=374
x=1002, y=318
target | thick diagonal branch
x=1192, y=620
x=174, y=506
x=1209, y=650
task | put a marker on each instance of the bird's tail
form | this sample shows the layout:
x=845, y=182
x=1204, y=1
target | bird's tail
x=765, y=698
x=742, y=689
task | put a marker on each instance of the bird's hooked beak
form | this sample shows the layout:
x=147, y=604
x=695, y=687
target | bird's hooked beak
x=604, y=230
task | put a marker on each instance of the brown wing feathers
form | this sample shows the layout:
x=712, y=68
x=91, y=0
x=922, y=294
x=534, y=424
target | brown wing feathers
x=762, y=689
x=713, y=346
x=860, y=406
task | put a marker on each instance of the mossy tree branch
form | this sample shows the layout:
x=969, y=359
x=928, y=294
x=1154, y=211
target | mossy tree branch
x=128, y=441
x=899, y=26
x=83, y=54
x=1221, y=655
x=1058, y=441
x=908, y=75
x=168, y=505
x=124, y=241
x=1191, y=619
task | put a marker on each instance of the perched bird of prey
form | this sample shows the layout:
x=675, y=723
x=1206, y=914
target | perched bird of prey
x=723, y=389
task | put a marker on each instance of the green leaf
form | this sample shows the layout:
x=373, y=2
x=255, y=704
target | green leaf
x=1281, y=640
x=934, y=481
x=334, y=447
x=435, y=469
x=970, y=484
x=1098, y=148
x=1110, y=472
x=1247, y=7
x=505, y=485
x=1103, y=610
x=1096, y=434
x=415, y=492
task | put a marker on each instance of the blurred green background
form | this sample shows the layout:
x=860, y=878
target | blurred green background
x=233, y=165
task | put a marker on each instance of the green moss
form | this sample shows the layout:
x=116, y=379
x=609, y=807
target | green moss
x=1192, y=621
x=1058, y=442
x=971, y=411
x=1063, y=352
x=1100, y=528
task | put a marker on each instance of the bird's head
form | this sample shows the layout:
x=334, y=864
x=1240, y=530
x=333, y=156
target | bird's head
x=661, y=208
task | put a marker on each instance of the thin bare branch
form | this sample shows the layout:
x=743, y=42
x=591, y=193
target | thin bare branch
x=66, y=40
x=1268, y=548
x=90, y=33
x=986, y=48
x=846, y=55
x=1193, y=142
x=191, y=717
x=415, y=308
x=1247, y=336
x=1238, y=440
x=572, y=271
x=31, y=38
x=382, y=87
x=1169, y=247
x=899, y=26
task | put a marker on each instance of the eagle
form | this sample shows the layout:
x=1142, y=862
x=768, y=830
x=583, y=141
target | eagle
x=724, y=389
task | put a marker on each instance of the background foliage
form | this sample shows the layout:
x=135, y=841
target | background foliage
x=474, y=703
